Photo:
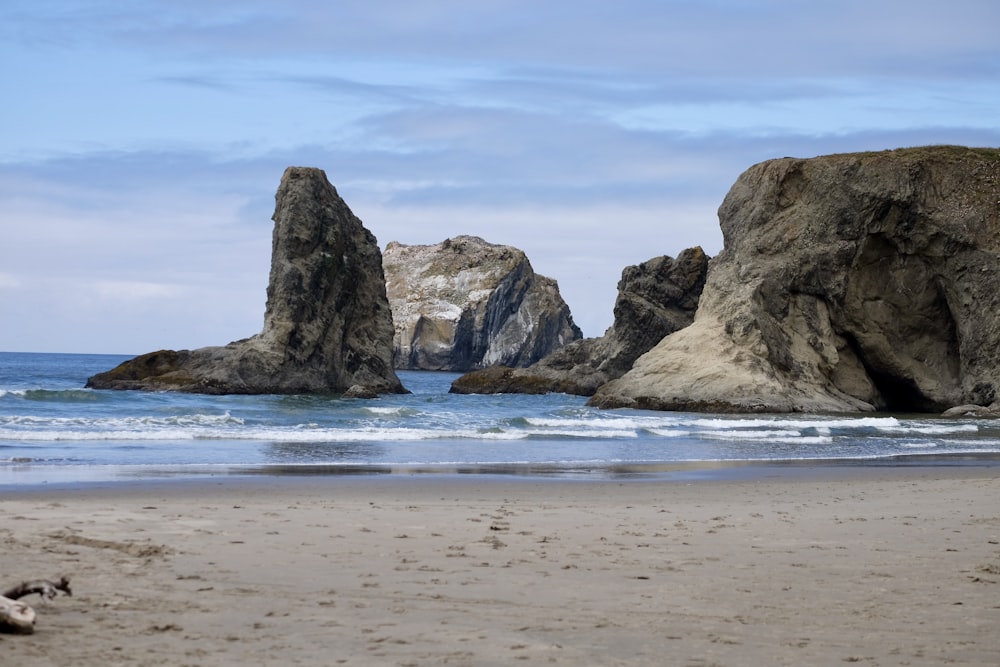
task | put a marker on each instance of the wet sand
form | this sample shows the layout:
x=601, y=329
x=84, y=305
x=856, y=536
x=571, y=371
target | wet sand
x=825, y=566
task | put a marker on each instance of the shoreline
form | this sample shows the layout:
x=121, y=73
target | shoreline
x=26, y=477
x=882, y=565
x=419, y=483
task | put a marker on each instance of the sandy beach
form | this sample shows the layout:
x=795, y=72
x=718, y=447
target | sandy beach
x=825, y=566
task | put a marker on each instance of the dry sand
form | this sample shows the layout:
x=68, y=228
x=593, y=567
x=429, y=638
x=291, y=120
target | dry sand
x=877, y=566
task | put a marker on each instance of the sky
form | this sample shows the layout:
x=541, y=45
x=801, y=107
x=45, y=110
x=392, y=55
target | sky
x=142, y=141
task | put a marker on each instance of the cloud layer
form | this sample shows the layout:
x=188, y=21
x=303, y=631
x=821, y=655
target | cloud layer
x=143, y=143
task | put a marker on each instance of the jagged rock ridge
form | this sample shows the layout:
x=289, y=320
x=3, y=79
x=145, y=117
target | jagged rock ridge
x=465, y=303
x=854, y=282
x=655, y=298
x=327, y=324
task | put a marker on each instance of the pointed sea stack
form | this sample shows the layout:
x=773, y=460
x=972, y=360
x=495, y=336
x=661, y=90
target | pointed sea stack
x=327, y=325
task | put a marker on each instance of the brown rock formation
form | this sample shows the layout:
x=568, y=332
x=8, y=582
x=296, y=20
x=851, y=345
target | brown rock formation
x=865, y=281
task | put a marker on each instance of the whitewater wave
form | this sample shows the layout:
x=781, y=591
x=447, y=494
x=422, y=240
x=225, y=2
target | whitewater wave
x=124, y=423
x=738, y=435
x=398, y=411
x=803, y=423
x=934, y=429
x=620, y=423
x=571, y=433
x=225, y=426
x=300, y=434
x=54, y=395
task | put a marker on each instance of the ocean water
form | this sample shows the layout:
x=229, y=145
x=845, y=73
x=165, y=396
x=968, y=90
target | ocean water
x=52, y=429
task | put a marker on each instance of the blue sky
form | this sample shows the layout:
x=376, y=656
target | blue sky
x=141, y=142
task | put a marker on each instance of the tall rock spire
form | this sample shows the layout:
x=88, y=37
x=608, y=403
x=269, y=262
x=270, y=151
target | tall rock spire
x=327, y=325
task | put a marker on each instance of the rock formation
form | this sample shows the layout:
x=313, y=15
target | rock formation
x=465, y=303
x=854, y=282
x=655, y=298
x=327, y=324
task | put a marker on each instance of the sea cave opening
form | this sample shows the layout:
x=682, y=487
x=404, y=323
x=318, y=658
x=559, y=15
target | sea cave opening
x=901, y=394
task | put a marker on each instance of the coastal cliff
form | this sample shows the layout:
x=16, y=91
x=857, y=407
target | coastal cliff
x=655, y=298
x=327, y=323
x=853, y=282
x=465, y=303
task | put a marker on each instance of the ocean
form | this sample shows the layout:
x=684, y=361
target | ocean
x=52, y=429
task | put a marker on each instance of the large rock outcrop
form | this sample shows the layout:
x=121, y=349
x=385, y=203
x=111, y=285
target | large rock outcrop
x=655, y=298
x=465, y=303
x=852, y=282
x=327, y=324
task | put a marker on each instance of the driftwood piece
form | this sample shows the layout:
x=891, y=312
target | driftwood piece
x=15, y=616
x=47, y=589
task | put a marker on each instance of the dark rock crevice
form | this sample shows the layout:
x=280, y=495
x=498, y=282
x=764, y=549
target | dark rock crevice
x=655, y=299
x=897, y=312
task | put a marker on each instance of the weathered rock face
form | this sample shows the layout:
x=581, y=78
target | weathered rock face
x=655, y=298
x=465, y=303
x=327, y=324
x=848, y=282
